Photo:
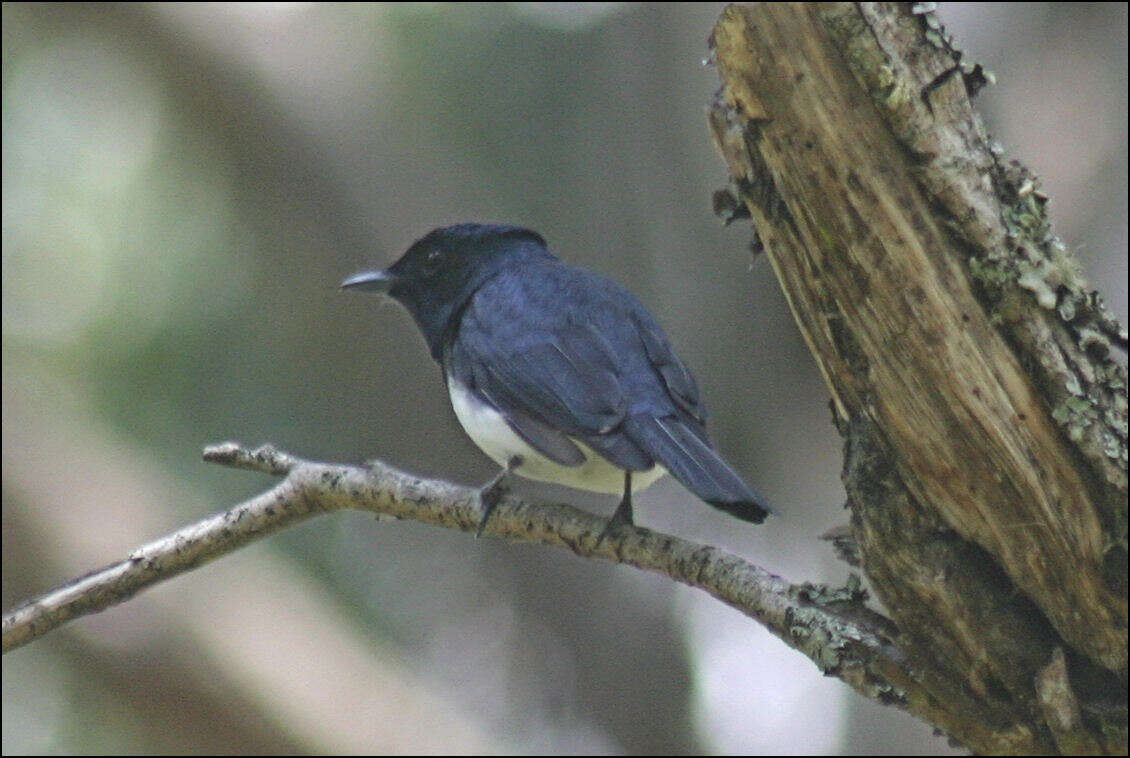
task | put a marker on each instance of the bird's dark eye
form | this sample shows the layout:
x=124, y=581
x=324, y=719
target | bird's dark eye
x=434, y=259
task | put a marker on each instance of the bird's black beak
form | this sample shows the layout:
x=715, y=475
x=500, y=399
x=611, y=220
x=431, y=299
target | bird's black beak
x=370, y=281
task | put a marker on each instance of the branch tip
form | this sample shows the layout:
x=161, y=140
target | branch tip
x=266, y=458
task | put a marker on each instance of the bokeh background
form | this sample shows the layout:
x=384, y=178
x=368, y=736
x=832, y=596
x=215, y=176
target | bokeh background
x=183, y=188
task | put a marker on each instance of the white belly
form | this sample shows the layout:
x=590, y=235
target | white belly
x=493, y=435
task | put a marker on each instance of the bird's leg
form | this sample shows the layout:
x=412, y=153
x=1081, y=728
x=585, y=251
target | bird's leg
x=491, y=493
x=623, y=514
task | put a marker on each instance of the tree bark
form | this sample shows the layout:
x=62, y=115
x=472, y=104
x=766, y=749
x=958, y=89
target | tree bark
x=972, y=369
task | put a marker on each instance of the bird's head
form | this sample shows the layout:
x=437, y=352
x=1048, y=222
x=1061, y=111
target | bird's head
x=442, y=269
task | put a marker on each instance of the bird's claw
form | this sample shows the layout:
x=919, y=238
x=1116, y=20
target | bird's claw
x=491, y=494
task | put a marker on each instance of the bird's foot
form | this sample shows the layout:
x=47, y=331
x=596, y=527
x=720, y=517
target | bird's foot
x=622, y=517
x=491, y=493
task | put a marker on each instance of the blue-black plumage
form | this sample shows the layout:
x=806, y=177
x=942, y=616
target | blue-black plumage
x=557, y=373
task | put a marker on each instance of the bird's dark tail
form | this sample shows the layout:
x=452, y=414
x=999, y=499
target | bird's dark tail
x=697, y=465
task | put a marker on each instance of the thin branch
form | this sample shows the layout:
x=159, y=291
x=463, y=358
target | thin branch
x=832, y=627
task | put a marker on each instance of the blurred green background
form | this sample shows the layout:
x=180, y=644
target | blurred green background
x=183, y=188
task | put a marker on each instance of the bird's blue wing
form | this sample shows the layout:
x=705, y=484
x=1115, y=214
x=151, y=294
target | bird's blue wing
x=567, y=380
x=552, y=388
x=677, y=378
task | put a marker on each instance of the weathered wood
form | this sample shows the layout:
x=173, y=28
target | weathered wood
x=970, y=365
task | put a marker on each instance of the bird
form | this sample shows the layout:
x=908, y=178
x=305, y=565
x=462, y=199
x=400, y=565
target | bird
x=557, y=373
